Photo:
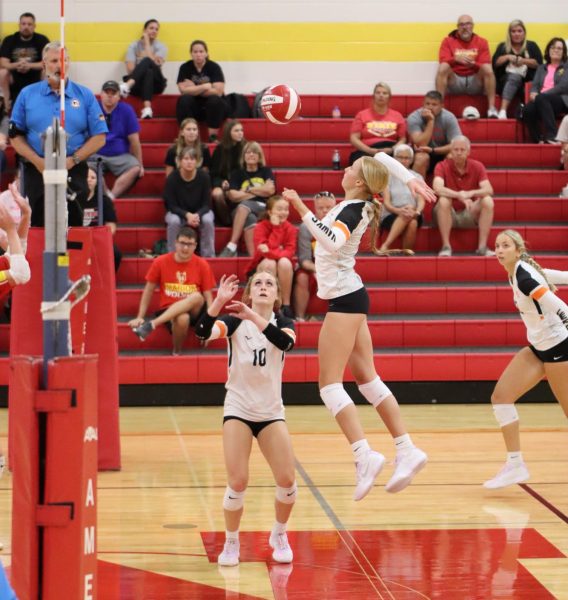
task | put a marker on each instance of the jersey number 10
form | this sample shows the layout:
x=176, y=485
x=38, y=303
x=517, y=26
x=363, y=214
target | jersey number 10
x=259, y=357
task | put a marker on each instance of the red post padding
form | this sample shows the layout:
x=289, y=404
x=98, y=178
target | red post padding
x=66, y=515
x=25, y=375
x=96, y=335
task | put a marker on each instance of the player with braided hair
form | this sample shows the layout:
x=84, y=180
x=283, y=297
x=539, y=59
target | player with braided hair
x=546, y=318
x=344, y=337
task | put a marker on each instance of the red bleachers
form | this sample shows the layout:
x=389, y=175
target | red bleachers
x=431, y=318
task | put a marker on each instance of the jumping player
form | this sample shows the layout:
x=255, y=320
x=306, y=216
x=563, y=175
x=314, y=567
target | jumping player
x=345, y=338
x=257, y=340
x=546, y=318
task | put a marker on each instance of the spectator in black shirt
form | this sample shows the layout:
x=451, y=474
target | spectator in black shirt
x=90, y=209
x=202, y=86
x=226, y=159
x=250, y=187
x=187, y=197
x=20, y=59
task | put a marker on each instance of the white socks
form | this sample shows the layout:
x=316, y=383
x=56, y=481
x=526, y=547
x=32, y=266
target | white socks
x=515, y=458
x=360, y=448
x=232, y=246
x=403, y=443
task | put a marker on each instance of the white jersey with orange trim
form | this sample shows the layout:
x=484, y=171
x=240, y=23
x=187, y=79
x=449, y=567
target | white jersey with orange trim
x=254, y=382
x=546, y=322
x=338, y=236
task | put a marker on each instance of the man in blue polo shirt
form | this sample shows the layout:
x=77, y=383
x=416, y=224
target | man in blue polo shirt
x=122, y=153
x=85, y=126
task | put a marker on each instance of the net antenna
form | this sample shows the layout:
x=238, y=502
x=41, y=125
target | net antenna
x=62, y=62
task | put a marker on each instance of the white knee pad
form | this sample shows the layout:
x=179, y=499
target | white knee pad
x=335, y=397
x=505, y=414
x=233, y=500
x=375, y=391
x=287, y=495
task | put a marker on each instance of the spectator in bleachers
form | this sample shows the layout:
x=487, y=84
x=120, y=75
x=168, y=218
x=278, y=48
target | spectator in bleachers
x=226, y=159
x=4, y=124
x=187, y=196
x=562, y=137
x=402, y=210
x=549, y=93
x=306, y=273
x=515, y=62
x=188, y=137
x=465, y=64
x=122, y=152
x=465, y=196
x=185, y=282
x=90, y=208
x=377, y=128
x=33, y=113
x=249, y=188
x=144, y=60
x=20, y=58
x=275, y=248
x=202, y=87
x=431, y=129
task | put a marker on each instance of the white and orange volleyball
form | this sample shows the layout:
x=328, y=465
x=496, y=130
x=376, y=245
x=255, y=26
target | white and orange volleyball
x=280, y=104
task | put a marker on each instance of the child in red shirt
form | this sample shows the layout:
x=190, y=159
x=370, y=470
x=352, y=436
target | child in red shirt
x=275, y=248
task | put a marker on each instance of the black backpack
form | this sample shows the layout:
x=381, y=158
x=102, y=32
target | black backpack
x=238, y=106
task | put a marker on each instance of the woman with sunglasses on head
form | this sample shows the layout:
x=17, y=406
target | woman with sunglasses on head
x=144, y=60
x=546, y=319
x=258, y=338
x=549, y=93
x=345, y=339
x=515, y=62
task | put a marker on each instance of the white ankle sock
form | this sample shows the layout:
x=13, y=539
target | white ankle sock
x=232, y=535
x=360, y=448
x=403, y=443
x=515, y=458
x=232, y=246
x=278, y=528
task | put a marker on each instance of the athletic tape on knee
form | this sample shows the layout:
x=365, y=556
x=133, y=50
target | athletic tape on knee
x=505, y=414
x=233, y=500
x=335, y=397
x=375, y=391
x=287, y=495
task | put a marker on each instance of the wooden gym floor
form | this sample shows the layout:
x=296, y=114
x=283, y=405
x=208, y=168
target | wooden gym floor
x=160, y=523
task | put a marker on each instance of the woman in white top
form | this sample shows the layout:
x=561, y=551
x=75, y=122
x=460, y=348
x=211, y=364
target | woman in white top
x=546, y=318
x=257, y=340
x=345, y=339
x=144, y=60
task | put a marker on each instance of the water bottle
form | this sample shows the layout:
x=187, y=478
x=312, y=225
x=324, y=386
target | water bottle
x=336, y=160
x=335, y=113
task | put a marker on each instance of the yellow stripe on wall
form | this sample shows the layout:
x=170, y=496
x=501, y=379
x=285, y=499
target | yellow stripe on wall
x=253, y=42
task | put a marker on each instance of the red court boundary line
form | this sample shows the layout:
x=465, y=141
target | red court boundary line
x=544, y=502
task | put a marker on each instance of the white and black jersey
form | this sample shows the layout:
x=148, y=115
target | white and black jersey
x=338, y=236
x=544, y=314
x=254, y=381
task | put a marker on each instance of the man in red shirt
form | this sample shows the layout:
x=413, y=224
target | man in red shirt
x=465, y=65
x=185, y=281
x=465, y=196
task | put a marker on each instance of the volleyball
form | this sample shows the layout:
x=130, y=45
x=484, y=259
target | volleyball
x=280, y=104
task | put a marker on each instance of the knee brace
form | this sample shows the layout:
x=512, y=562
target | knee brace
x=375, y=391
x=335, y=397
x=505, y=414
x=287, y=495
x=233, y=500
